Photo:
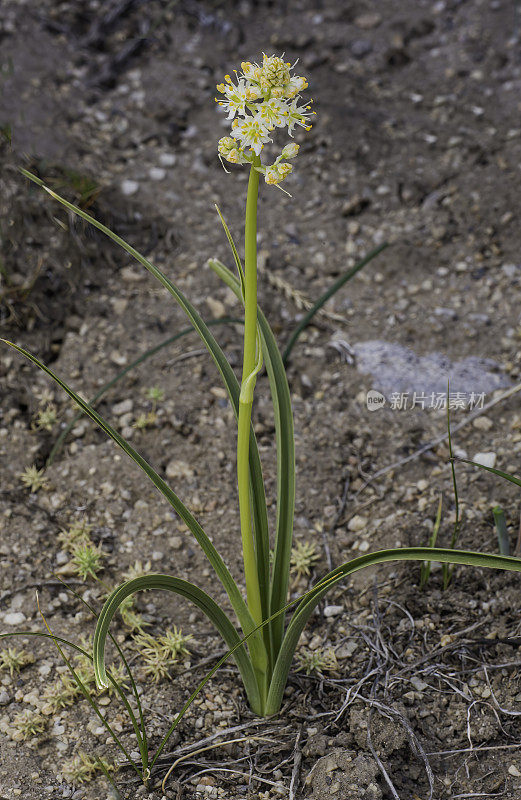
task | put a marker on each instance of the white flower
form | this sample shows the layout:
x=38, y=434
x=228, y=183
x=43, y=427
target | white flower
x=237, y=97
x=251, y=133
x=295, y=86
x=299, y=115
x=272, y=113
x=258, y=100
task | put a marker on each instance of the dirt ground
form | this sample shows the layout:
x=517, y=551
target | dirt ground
x=417, y=142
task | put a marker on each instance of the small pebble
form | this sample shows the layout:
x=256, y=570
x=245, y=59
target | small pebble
x=333, y=611
x=129, y=187
x=167, y=159
x=157, y=173
x=483, y=423
x=123, y=408
x=357, y=523
x=485, y=459
x=14, y=618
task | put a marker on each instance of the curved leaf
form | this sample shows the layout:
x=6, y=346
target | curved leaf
x=232, y=590
x=208, y=606
x=312, y=598
x=230, y=380
x=94, y=706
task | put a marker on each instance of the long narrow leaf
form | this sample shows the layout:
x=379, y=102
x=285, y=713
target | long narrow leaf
x=60, y=640
x=232, y=590
x=236, y=257
x=283, y=416
x=506, y=475
x=306, y=319
x=188, y=590
x=139, y=729
x=227, y=373
x=310, y=601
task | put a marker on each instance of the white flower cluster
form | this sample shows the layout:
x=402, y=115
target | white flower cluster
x=263, y=98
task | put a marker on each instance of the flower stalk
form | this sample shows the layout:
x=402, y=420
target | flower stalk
x=249, y=373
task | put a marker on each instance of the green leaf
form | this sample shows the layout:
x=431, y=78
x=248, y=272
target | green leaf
x=238, y=262
x=203, y=601
x=232, y=590
x=227, y=373
x=306, y=319
x=501, y=530
x=312, y=598
x=283, y=416
x=506, y=475
x=426, y=566
x=57, y=640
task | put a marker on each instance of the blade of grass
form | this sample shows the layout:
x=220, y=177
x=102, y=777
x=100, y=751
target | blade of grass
x=501, y=530
x=447, y=569
x=139, y=729
x=306, y=319
x=426, y=566
x=506, y=475
x=84, y=690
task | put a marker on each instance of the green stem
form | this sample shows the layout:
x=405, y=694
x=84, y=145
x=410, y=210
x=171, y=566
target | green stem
x=246, y=395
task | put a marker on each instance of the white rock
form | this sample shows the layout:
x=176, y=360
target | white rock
x=485, y=459
x=357, y=523
x=513, y=770
x=129, y=187
x=179, y=469
x=123, y=407
x=157, y=173
x=333, y=611
x=483, y=423
x=14, y=618
x=167, y=159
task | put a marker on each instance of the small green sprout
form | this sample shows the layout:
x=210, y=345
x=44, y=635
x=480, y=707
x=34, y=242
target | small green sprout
x=76, y=535
x=155, y=394
x=173, y=643
x=83, y=768
x=317, y=661
x=132, y=619
x=86, y=560
x=303, y=556
x=26, y=724
x=60, y=695
x=47, y=417
x=33, y=478
x=13, y=660
x=145, y=420
x=159, y=654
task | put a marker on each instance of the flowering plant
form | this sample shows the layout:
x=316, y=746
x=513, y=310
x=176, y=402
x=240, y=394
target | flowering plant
x=263, y=98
